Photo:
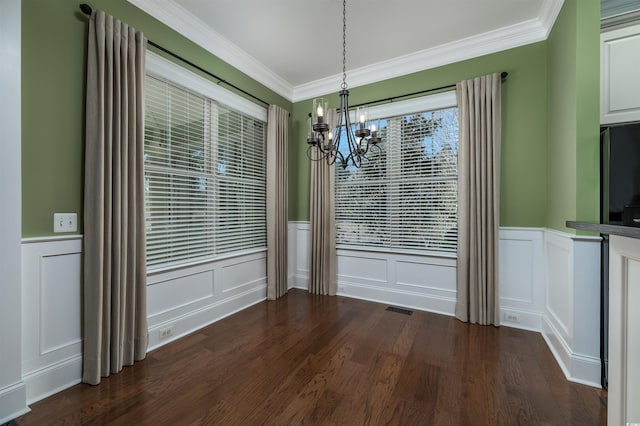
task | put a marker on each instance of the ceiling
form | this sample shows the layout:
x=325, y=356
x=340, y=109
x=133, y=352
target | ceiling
x=294, y=47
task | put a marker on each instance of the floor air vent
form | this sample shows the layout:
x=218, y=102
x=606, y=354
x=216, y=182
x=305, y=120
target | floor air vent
x=399, y=310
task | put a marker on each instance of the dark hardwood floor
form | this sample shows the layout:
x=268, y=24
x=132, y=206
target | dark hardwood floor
x=331, y=360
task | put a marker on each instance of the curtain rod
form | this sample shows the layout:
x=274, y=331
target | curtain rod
x=86, y=9
x=503, y=75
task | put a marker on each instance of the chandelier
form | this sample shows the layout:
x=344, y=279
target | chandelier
x=323, y=143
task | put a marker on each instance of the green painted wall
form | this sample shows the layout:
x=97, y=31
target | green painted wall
x=588, y=111
x=550, y=113
x=573, y=115
x=53, y=66
x=562, y=119
x=524, y=144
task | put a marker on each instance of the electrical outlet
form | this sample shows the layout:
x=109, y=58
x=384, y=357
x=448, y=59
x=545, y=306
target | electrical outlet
x=65, y=222
x=511, y=317
x=165, y=332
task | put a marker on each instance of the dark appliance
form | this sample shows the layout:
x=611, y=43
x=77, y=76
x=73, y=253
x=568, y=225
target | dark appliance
x=619, y=205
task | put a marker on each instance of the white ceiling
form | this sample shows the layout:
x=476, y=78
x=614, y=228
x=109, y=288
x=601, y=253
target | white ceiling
x=295, y=46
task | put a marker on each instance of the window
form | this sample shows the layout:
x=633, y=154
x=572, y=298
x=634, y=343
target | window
x=204, y=165
x=405, y=197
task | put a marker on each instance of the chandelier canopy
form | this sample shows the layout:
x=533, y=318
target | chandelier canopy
x=325, y=142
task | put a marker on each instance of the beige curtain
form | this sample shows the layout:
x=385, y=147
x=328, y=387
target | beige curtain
x=323, y=259
x=479, y=109
x=277, y=201
x=115, y=317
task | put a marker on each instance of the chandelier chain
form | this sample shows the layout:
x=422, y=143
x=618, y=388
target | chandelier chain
x=344, y=44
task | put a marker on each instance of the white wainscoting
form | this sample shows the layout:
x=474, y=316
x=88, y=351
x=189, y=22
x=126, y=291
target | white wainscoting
x=298, y=263
x=547, y=277
x=414, y=281
x=522, y=277
x=549, y=283
x=571, y=321
x=624, y=327
x=51, y=314
x=182, y=300
x=190, y=298
x=429, y=283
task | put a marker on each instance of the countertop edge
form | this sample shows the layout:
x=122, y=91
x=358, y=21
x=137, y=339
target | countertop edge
x=601, y=228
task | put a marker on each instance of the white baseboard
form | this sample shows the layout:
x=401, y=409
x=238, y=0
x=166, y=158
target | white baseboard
x=12, y=402
x=300, y=281
x=576, y=368
x=186, y=299
x=216, y=291
x=571, y=321
x=198, y=319
x=51, y=320
x=526, y=320
x=53, y=378
x=521, y=278
x=405, y=299
x=547, y=277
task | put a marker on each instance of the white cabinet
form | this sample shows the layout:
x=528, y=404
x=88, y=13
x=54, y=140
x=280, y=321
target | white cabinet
x=620, y=75
x=624, y=331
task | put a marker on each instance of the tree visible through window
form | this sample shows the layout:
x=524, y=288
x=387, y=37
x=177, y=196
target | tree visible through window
x=405, y=196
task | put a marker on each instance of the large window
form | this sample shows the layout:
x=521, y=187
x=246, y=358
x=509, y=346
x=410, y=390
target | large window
x=405, y=197
x=204, y=176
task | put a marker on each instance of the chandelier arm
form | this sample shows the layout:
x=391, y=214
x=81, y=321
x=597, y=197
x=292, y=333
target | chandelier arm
x=320, y=143
x=353, y=144
x=310, y=156
x=332, y=160
x=321, y=155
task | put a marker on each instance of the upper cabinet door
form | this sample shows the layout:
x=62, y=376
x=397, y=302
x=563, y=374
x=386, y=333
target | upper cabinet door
x=620, y=75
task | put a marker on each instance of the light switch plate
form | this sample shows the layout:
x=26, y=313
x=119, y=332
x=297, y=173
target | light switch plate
x=65, y=222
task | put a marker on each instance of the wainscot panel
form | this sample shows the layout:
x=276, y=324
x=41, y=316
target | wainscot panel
x=521, y=277
x=559, y=284
x=548, y=283
x=571, y=322
x=409, y=280
x=429, y=283
x=51, y=314
x=208, y=292
x=179, y=301
x=299, y=243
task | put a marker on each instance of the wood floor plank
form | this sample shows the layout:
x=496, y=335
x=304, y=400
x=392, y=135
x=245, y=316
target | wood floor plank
x=307, y=359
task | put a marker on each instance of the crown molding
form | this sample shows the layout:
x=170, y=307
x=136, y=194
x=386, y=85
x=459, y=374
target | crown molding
x=179, y=19
x=176, y=17
x=549, y=13
x=517, y=35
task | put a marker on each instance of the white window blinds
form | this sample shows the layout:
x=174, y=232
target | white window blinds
x=241, y=179
x=204, y=177
x=405, y=197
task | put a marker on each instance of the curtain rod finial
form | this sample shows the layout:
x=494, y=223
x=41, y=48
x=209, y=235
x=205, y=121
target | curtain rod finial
x=85, y=8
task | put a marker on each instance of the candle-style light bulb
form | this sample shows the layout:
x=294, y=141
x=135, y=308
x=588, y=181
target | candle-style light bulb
x=320, y=114
x=373, y=130
x=362, y=121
